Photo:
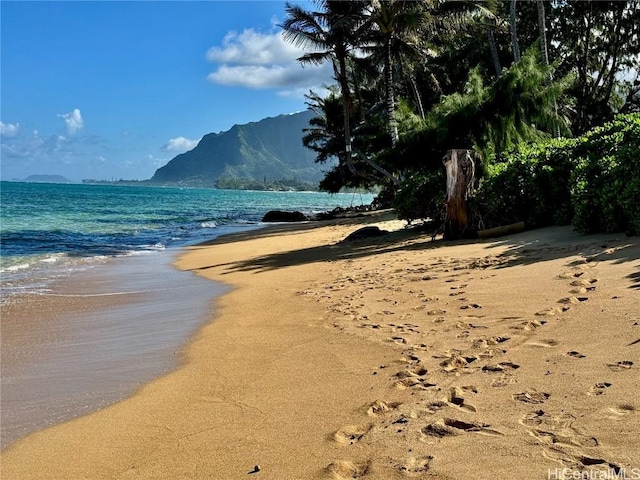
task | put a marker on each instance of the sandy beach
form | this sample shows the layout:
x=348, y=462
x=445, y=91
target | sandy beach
x=384, y=358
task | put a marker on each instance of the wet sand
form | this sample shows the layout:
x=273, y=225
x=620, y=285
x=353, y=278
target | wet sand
x=387, y=358
x=95, y=338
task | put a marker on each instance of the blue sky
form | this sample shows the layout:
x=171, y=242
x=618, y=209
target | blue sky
x=115, y=89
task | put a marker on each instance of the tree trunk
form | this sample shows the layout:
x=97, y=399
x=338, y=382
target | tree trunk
x=346, y=109
x=514, y=33
x=543, y=33
x=390, y=94
x=494, y=52
x=461, y=171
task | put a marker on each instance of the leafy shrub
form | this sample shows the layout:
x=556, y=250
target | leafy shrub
x=528, y=184
x=605, y=189
x=421, y=196
x=592, y=182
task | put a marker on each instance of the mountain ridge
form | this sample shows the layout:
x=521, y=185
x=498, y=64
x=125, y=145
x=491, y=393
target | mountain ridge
x=266, y=150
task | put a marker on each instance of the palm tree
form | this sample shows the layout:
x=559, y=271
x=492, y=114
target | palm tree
x=393, y=27
x=332, y=34
x=328, y=33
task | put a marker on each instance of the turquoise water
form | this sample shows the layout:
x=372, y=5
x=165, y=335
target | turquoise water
x=107, y=250
x=50, y=230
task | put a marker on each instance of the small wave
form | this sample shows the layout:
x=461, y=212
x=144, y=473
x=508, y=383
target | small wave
x=209, y=224
x=51, y=259
x=16, y=268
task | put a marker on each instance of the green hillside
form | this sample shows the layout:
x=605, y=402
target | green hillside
x=270, y=150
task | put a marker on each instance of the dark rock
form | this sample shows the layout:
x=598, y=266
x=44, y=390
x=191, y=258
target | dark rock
x=280, y=216
x=365, y=232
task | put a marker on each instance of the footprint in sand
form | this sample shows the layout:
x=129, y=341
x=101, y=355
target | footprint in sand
x=621, y=411
x=414, y=376
x=551, y=311
x=346, y=469
x=599, y=388
x=436, y=405
x=414, y=372
x=500, y=367
x=351, y=434
x=533, y=419
x=503, y=380
x=451, y=426
x=556, y=430
x=471, y=305
x=568, y=275
x=531, y=396
x=373, y=326
x=415, y=465
x=622, y=365
x=489, y=342
x=398, y=340
x=543, y=343
x=575, y=354
x=455, y=360
x=573, y=300
x=379, y=407
x=456, y=397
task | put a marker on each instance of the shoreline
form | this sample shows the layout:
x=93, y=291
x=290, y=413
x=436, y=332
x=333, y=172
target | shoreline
x=84, y=345
x=386, y=358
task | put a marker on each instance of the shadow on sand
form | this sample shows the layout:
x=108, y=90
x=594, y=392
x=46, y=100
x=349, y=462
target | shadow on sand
x=524, y=248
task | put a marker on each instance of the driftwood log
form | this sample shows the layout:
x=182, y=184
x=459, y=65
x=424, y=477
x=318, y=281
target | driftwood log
x=461, y=173
x=502, y=230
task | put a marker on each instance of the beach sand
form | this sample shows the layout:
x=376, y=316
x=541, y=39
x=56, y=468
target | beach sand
x=383, y=358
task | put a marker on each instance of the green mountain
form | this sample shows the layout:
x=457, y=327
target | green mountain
x=270, y=150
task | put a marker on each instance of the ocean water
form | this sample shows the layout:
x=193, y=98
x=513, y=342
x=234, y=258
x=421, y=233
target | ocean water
x=48, y=231
x=92, y=307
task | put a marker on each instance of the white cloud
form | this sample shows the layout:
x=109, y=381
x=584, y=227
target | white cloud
x=9, y=130
x=253, y=48
x=264, y=60
x=73, y=120
x=179, y=144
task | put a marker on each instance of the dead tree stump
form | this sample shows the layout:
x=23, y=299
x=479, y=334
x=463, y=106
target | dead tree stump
x=461, y=172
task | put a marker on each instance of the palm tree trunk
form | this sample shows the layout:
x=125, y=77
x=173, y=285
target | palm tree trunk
x=514, y=33
x=494, y=52
x=544, y=52
x=417, y=96
x=543, y=32
x=391, y=107
x=346, y=110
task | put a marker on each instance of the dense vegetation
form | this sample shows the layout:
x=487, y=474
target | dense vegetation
x=282, y=185
x=592, y=181
x=543, y=91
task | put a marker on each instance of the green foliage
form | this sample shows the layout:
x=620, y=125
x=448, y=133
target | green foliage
x=606, y=182
x=421, y=196
x=489, y=118
x=592, y=182
x=283, y=185
x=529, y=184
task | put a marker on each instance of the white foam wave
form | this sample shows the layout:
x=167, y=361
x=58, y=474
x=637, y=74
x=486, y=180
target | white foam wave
x=16, y=268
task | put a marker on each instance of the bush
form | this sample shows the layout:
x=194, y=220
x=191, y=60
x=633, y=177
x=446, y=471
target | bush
x=528, y=184
x=592, y=182
x=605, y=187
x=421, y=196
